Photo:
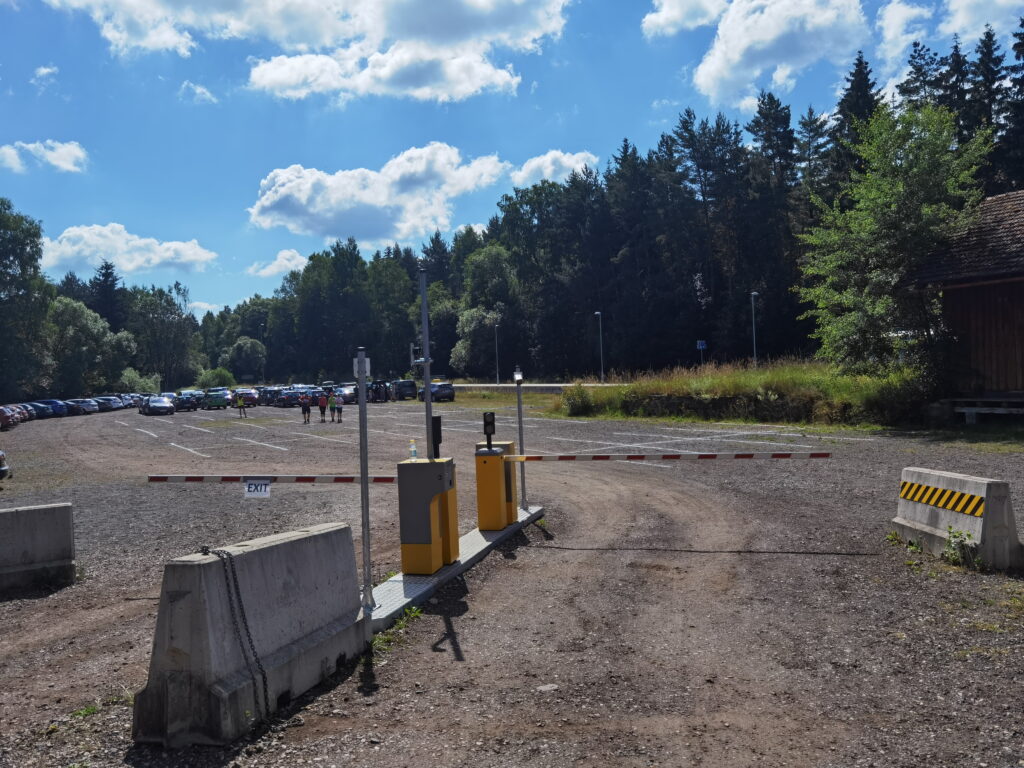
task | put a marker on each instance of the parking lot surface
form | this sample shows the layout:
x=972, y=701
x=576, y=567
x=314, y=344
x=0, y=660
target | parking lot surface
x=667, y=613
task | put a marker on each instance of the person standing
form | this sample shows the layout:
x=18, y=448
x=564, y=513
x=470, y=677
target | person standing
x=332, y=404
x=240, y=405
x=304, y=405
x=322, y=403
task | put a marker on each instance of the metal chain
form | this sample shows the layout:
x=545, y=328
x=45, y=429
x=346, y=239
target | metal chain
x=227, y=560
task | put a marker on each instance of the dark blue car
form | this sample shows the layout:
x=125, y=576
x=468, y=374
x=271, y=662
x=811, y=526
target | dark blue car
x=59, y=407
x=42, y=410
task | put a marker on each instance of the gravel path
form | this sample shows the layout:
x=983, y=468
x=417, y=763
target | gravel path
x=664, y=614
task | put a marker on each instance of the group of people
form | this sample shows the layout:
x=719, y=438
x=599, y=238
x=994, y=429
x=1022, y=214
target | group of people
x=325, y=402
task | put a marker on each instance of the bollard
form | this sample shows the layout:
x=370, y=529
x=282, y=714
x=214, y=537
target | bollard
x=427, y=515
x=490, y=489
x=511, y=494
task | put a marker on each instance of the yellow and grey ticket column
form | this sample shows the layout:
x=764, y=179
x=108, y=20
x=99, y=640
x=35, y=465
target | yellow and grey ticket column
x=427, y=515
x=511, y=495
x=490, y=489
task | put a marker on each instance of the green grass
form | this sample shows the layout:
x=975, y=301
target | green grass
x=787, y=391
x=386, y=640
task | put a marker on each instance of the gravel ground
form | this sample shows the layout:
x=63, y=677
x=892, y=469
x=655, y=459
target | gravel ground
x=664, y=614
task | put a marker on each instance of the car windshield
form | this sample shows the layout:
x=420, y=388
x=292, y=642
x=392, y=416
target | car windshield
x=159, y=401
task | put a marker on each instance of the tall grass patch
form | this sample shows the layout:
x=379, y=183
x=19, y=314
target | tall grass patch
x=793, y=391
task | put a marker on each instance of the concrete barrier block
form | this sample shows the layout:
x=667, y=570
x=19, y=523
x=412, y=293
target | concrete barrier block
x=931, y=502
x=300, y=593
x=37, y=547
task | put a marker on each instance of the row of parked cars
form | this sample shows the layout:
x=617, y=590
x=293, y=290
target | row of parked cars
x=164, y=403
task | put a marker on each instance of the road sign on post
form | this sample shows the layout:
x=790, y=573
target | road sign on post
x=701, y=346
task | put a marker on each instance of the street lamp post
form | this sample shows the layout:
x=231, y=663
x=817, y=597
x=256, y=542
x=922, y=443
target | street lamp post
x=753, y=323
x=600, y=341
x=497, y=379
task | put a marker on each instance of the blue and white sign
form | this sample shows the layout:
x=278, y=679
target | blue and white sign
x=257, y=488
x=701, y=344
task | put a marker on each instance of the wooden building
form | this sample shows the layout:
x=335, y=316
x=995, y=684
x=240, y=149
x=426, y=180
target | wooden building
x=981, y=277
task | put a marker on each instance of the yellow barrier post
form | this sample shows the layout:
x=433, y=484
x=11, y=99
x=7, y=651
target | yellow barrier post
x=490, y=489
x=511, y=489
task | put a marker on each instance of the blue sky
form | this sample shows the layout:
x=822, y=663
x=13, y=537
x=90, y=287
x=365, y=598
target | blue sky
x=219, y=142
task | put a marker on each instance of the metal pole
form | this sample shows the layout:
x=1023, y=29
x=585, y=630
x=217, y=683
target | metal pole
x=600, y=341
x=522, y=446
x=753, y=323
x=497, y=380
x=364, y=495
x=425, y=332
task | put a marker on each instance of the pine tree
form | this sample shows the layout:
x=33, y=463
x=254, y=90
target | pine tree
x=107, y=297
x=987, y=97
x=1011, y=149
x=953, y=88
x=774, y=140
x=921, y=84
x=856, y=106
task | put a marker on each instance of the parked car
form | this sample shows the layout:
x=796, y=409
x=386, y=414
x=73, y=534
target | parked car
x=115, y=401
x=189, y=400
x=20, y=412
x=30, y=413
x=5, y=468
x=439, y=390
x=348, y=392
x=157, y=405
x=404, y=388
x=288, y=398
x=74, y=409
x=88, y=405
x=57, y=406
x=42, y=410
x=105, y=404
x=269, y=395
x=7, y=418
x=249, y=397
x=215, y=398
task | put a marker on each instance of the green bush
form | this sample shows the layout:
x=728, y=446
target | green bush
x=133, y=381
x=215, y=377
x=576, y=401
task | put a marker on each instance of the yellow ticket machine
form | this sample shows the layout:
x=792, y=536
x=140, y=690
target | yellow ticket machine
x=510, y=495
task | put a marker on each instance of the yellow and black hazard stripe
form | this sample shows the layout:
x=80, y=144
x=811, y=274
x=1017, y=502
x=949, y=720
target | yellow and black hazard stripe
x=943, y=498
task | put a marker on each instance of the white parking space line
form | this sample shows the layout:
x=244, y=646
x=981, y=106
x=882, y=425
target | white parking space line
x=670, y=438
x=144, y=431
x=319, y=437
x=122, y=423
x=246, y=424
x=256, y=442
x=606, y=444
x=383, y=432
x=205, y=418
x=198, y=429
x=197, y=453
x=165, y=421
x=767, y=442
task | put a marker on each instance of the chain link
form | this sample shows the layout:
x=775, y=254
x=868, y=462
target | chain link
x=237, y=608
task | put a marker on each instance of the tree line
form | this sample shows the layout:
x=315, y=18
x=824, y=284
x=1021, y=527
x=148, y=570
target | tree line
x=679, y=243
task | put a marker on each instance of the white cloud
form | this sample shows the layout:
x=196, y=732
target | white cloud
x=286, y=261
x=409, y=196
x=196, y=93
x=897, y=22
x=66, y=156
x=44, y=76
x=968, y=18
x=203, y=306
x=778, y=36
x=442, y=50
x=671, y=16
x=554, y=165
x=129, y=253
x=664, y=104
x=10, y=159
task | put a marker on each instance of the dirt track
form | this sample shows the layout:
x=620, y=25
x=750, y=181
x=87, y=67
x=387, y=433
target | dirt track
x=711, y=615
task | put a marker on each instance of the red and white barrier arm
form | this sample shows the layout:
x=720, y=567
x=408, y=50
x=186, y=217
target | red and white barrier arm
x=669, y=456
x=316, y=479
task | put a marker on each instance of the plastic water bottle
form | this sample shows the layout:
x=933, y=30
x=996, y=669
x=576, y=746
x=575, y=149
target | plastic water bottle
x=412, y=449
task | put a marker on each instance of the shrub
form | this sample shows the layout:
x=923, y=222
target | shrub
x=215, y=377
x=576, y=401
